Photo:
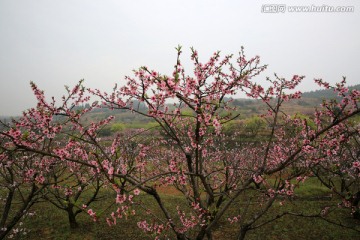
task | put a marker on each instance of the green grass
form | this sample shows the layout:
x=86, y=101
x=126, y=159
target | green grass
x=312, y=187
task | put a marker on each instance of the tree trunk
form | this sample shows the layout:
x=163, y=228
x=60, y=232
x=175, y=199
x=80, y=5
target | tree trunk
x=7, y=208
x=355, y=203
x=72, y=218
x=209, y=235
x=181, y=236
x=201, y=235
x=242, y=232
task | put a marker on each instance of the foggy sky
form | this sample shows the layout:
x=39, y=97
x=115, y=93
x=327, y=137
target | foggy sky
x=58, y=42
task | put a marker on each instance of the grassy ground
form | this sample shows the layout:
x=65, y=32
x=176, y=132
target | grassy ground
x=51, y=223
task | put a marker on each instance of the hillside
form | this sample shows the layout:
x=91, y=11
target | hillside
x=246, y=107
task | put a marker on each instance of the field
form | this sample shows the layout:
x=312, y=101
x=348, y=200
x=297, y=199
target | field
x=51, y=223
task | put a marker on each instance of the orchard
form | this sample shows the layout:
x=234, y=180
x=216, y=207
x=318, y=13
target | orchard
x=52, y=154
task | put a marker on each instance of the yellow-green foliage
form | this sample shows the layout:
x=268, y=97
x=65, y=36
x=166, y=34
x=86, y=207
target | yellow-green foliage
x=254, y=125
x=187, y=112
x=309, y=121
x=116, y=127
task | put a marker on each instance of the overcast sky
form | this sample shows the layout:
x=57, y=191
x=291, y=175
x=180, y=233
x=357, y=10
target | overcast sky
x=58, y=42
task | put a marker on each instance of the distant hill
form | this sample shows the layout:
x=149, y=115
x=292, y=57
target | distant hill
x=325, y=93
